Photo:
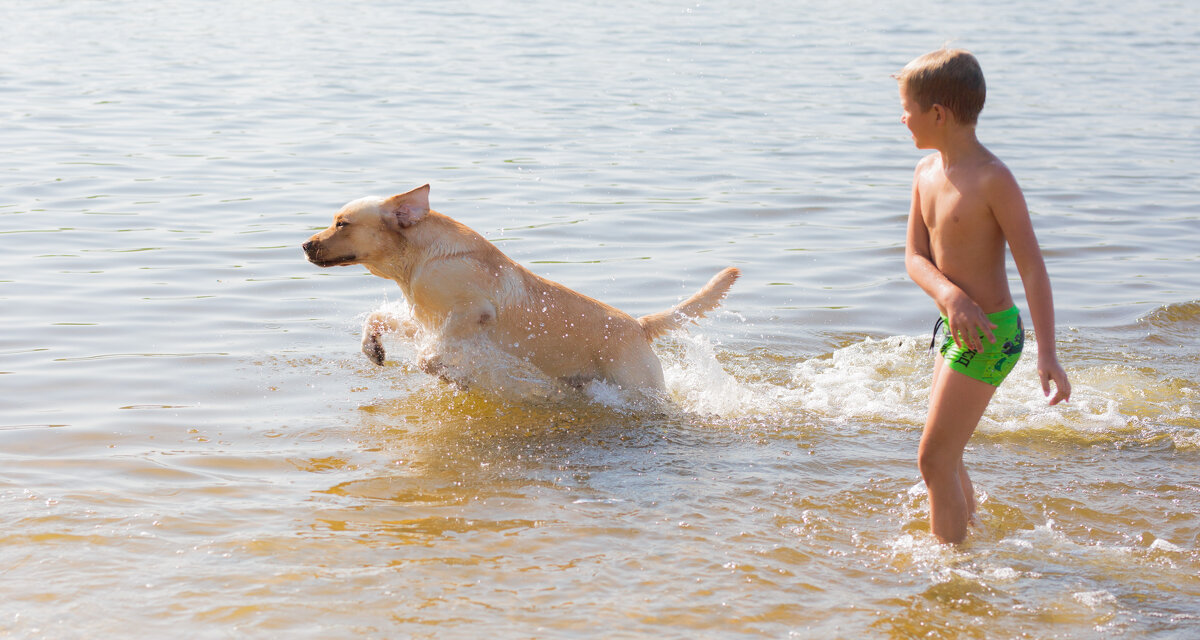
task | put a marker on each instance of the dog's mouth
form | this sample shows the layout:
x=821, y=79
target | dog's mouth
x=333, y=262
x=312, y=251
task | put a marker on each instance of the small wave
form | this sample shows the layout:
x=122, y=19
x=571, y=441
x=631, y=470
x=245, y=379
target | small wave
x=1181, y=317
x=888, y=380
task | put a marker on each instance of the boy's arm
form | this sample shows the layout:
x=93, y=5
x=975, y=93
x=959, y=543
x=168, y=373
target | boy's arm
x=965, y=318
x=1008, y=206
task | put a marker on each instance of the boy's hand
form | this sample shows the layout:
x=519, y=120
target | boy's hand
x=1051, y=370
x=967, y=321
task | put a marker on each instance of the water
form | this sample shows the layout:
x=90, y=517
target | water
x=191, y=444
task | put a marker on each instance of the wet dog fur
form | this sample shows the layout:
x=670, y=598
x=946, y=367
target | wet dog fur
x=461, y=286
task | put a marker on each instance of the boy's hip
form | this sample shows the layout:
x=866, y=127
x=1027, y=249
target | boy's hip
x=996, y=360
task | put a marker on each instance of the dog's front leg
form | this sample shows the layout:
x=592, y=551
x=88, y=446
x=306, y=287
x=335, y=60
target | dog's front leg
x=464, y=323
x=377, y=324
x=469, y=321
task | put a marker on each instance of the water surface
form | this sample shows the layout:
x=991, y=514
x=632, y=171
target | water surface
x=190, y=441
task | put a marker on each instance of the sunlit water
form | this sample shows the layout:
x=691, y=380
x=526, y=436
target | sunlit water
x=191, y=444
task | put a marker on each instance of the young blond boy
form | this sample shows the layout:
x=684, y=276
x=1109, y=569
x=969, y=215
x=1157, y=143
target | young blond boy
x=965, y=206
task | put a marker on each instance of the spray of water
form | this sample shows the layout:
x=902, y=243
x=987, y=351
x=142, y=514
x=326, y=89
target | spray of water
x=869, y=381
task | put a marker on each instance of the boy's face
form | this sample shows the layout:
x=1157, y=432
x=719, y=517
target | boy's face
x=921, y=122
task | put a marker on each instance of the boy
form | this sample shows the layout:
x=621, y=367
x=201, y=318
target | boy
x=965, y=206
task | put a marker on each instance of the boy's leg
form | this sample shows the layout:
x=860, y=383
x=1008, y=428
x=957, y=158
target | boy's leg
x=968, y=490
x=956, y=403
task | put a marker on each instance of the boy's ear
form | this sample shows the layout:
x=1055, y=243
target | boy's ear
x=942, y=113
x=406, y=209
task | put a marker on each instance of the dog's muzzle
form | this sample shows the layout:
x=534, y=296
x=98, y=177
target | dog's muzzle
x=312, y=251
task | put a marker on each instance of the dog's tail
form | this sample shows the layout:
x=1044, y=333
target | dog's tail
x=701, y=302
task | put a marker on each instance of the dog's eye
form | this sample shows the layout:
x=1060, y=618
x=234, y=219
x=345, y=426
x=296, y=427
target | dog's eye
x=341, y=223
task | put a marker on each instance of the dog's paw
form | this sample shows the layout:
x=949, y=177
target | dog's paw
x=372, y=346
x=433, y=366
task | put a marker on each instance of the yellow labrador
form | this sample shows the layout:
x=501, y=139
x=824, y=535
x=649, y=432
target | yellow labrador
x=460, y=286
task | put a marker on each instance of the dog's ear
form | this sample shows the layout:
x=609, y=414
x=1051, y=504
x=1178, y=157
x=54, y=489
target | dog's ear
x=406, y=209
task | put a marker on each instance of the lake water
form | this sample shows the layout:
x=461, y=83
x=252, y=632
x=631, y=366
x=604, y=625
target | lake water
x=191, y=443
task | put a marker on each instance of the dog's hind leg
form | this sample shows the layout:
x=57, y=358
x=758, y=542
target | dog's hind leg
x=638, y=369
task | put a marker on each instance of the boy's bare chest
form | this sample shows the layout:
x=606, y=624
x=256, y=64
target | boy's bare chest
x=953, y=209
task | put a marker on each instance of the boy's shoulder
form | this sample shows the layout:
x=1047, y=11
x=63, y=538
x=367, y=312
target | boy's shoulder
x=986, y=170
x=992, y=172
x=928, y=162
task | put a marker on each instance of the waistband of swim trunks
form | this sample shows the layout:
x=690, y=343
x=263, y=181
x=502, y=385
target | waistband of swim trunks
x=1007, y=314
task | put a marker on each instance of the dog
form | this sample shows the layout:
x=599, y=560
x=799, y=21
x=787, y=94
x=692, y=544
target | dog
x=460, y=286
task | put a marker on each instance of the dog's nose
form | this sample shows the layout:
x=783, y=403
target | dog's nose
x=307, y=246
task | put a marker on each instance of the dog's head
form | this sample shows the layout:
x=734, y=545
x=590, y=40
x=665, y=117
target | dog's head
x=368, y=230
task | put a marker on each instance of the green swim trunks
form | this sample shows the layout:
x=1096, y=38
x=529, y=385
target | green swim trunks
x=997, y=359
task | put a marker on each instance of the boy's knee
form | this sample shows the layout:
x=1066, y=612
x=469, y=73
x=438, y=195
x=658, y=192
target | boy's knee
x=934, y=463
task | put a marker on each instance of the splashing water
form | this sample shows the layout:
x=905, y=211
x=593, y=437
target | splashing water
x=872, y=380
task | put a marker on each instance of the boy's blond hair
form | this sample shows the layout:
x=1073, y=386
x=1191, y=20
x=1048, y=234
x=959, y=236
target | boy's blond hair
x=949, y=77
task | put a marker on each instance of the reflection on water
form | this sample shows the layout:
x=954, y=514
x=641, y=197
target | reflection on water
x=190, y=438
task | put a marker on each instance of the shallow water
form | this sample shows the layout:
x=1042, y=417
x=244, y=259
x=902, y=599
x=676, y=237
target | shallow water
x=191, y=443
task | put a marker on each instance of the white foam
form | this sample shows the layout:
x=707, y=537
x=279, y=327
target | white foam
x=1164, y=545
x=698, y=383
x=1095, y=599
x=1001, y=574
x=610, y=395
x=873, y=380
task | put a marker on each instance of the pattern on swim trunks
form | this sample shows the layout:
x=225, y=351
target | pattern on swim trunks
x=996, y=361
